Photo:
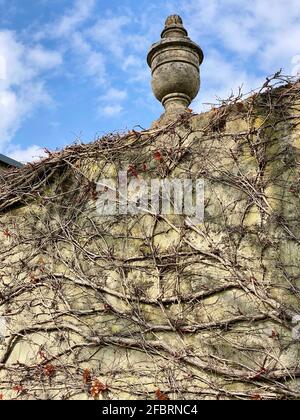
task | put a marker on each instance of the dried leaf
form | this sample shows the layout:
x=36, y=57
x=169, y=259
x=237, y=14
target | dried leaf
x=132, y=171
x=7, y=233
x=86, y=376
x=97, y=388
x=18, y=388
x=49, y=370
x=256, y=397
x=33, y=278
x=161, y=396
x=158, y=156
x=274, y=334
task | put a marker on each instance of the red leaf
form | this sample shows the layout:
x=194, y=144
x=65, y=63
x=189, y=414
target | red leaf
x=49, y=370
x=161, y=396
x=7, y=233
x=86, y=376
x=158, y=156
x=18, y=388
x=1, y=397
x=274, y=334
x=97, y=388
x=132, y=171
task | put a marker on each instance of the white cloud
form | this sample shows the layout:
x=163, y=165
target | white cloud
x=69, y=30
x=21, y=88
x=262, y=30
x=111, y=102
x=137, y=68
x=114, y=95
x=23, y=62
x=25, y=155
x=81, y=11
x=17, y=106
x=109, y=34
x=243, y=43
x=93, y=62
x=70, y=21
x=3, y=68
x=221, y=78
x=126, y=47
x=296, y=65
x=111, y=110
x=44, y=59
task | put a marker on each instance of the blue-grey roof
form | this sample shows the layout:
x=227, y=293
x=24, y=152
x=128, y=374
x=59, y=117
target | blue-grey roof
x=10, y=162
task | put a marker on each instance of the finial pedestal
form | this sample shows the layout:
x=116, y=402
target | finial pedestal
x=175, y=64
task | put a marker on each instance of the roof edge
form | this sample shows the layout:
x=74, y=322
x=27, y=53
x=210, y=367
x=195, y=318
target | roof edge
x=10, y=162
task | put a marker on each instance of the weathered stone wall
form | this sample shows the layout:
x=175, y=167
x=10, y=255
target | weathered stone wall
x=151, y=306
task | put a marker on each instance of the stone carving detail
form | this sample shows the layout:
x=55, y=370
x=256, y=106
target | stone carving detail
x=173, y=20
x=175, y=63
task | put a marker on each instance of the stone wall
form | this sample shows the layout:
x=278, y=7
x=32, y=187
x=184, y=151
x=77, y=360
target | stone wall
x=148, y=306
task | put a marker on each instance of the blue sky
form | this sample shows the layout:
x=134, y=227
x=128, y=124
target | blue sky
x=75, y=69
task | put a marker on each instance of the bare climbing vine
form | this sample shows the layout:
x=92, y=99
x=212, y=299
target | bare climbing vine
x=150, y=306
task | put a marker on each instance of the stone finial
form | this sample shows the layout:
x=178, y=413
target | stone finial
x=173, y=20
x=174, y=28
x=175, y=63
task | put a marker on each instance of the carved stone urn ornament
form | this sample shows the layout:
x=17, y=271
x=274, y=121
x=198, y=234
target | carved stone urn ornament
x=175, y=64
